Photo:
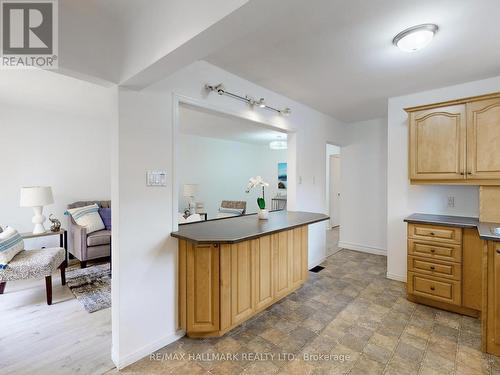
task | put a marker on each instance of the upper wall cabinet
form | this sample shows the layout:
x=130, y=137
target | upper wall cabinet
x=483, y=139
x=456, y=142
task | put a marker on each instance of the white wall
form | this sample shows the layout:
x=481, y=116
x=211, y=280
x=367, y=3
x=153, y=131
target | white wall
x=363, y=186
x=144, y=303
x=55, y=131
x=403, y=198
x=221, y=168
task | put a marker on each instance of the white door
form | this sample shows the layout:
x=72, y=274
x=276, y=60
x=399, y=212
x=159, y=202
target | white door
x=334, y=190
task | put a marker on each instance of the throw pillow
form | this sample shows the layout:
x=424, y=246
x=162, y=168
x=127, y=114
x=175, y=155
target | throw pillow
x=11, y=244
x=105, y=214
x=87, y=217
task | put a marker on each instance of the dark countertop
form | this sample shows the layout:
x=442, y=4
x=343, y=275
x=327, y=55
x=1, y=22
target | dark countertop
x=485, y=229
x=247, y=227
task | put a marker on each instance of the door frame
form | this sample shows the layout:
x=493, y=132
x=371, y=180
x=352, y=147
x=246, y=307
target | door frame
x=178, y=100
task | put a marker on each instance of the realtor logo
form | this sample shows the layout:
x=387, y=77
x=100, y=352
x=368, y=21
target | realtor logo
x=29, y=34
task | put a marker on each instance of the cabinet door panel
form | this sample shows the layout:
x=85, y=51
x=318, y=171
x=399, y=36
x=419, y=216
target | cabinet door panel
x=282, y=266
x=437, y=143
x=297, y=257
x=496, y=293
x=483, y=139
x=263, y=266
x=202, y=288
x=241, y=282
x=305, y=252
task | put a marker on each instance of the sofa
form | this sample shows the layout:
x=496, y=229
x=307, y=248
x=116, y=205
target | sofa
x=85, y=246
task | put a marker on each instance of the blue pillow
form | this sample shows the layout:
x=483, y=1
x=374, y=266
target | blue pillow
x=105, y=214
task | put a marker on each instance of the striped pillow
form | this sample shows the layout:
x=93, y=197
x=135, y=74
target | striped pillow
x=11, y=243
x=88, y=217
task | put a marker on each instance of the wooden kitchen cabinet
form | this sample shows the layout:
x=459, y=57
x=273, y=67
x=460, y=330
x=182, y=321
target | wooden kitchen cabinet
x=491, y=298
x=202, y=268
x=223, y=285
x=437, y=143
x=483, y=139
x=444, y=267
x=263, y=271
x=455, y=142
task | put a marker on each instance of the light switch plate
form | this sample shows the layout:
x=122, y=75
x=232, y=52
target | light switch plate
x=156, y=178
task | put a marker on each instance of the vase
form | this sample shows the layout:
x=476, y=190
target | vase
x=263, y=214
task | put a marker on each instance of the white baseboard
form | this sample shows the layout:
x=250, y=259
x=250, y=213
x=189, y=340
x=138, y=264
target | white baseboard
x=362, y=248
x=128, y=359
x=393, y=276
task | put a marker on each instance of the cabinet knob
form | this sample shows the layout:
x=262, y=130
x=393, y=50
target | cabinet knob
x=216, y=245
x=433, y=250
x=462, y=173
x=432, y=233
x=433, y=268
x=432, y=288
x=498, y=251
x=469, y=172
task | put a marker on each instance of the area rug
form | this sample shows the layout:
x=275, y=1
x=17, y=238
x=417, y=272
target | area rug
x=91, y=286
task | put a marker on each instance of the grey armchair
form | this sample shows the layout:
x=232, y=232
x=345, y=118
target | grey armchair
x=88, y=246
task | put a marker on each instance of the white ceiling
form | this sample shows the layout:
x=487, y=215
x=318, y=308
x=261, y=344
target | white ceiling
x=205, y=123
x=337, y=56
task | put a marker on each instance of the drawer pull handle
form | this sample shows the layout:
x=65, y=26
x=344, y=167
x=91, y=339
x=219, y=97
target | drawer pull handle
x=433, y=268
x=432, y=288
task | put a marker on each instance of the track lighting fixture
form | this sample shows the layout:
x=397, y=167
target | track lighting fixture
x=261, y=103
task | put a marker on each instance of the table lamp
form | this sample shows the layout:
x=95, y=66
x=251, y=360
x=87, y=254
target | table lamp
x=189, y=191
x=37, y=197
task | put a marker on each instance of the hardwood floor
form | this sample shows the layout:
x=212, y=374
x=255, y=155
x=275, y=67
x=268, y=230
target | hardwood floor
x=59, y=339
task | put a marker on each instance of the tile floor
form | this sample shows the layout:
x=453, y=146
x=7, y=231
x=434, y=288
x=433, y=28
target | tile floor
x=352, y=315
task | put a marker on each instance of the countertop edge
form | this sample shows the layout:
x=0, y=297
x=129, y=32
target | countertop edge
x=482, y=227
x=247, y=238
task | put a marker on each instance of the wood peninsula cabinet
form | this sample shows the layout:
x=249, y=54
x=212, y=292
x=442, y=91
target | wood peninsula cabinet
x=231, y=269
x=456, y=142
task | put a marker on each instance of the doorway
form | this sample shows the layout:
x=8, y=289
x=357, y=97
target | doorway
x=333, y=197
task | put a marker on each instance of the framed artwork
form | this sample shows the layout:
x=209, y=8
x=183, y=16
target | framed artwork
x=282, y=176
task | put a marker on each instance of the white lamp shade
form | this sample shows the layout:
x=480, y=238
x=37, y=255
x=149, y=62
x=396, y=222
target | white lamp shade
x=190, y=190
x=34, y=196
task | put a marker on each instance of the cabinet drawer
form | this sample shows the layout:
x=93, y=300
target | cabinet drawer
x=435, y=233
x=435, y=250
x=435, y=268
x=435, y=288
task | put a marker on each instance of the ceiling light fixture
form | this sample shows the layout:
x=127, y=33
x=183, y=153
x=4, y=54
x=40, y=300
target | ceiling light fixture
x=219, y=89
x=416, y=37
x=280, y=144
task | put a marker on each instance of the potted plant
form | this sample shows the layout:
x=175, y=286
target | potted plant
x=261, y=201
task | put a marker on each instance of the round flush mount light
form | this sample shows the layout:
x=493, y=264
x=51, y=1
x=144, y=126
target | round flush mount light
x=280, y=144
x=416, y=37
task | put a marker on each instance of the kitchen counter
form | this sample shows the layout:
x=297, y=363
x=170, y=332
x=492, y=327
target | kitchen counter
x=232, y=269
x=246, y=227
x=486, y=230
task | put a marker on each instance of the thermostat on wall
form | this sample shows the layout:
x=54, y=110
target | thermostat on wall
x=156, y=178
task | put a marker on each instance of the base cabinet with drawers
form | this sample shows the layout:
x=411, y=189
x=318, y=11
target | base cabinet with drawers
x=443, y=263
x=223, y=285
